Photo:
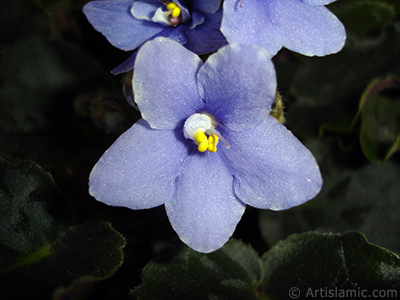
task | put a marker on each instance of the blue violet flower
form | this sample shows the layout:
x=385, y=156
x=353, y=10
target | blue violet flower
x=127, y=24
x=206, y=145
x=303, y=26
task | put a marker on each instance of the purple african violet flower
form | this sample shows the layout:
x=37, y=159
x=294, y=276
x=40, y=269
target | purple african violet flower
x=304, y=26
x=127, y=24
x=172, y=155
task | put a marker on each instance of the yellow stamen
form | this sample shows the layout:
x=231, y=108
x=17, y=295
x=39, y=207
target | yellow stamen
x=212, y=148
x=212, y=143
x=213, y=139
x=199, y=128
x=174, y=8
x=200, y=137
x=217, y=135
x=203, y=146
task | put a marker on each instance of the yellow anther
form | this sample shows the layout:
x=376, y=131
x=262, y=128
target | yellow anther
x=212, y=143
x=174, y=8
x=171, y=6
x=213, y=139
x=203, y=146
x=200, y=129
x=212, y=148
x=200, y=137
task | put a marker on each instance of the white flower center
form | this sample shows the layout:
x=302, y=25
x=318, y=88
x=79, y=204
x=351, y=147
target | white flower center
x=197, y=126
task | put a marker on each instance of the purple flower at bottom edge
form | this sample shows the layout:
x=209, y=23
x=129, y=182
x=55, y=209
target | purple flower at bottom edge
x=206, y=146
x=127, y=24
x=303, y=26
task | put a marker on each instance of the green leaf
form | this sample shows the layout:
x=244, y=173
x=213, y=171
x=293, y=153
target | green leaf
x=311, y=264
x=88, y=252
x=39, y=251
x=306, y=262
x=380, y=119
x=356, y=196
x=33, y=213
x=229, y=273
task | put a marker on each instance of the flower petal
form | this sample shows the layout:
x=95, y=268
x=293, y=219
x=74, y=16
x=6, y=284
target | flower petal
x=185, y=13
x=272, y=169
x=175, y=34
x=171, y=33
x=204, y=211
x=238, y=84
x=205, y=37
x=115, y=21
x=310, y=30
x=156, y=11
x=138, y=171
x=207, y=6
x=248, y=22
x=164, y=83
x=126, y=66
x=145, y=10
x=197, y=19
x=317, y=2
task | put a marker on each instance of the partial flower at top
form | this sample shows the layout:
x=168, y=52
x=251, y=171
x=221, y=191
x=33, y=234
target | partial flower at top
x=303, y=26
x=206, y=145
x=127, y=24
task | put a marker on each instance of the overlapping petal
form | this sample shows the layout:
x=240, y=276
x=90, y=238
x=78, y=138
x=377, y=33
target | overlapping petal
x=197, y=19
x=272, y=168
x=238, y=84
x=249, y=22
x=145, y=10
x=114, y=20
x=318, y=2
x=310, y=30
x=126, y=66
x=164, y=83
x=294, y=24
x=175, y=35
x=209, y=6
x=128, y=24
x=205, y=37
x=204, y=210
x=138, y=170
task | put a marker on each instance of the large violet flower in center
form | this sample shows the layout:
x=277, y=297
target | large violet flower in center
x=127, y=24
x=206, y=145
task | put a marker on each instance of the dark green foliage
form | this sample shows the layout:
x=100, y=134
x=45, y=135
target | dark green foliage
x=39, y=248
x=308, y=263
x=380, y=115
x=229, y=273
